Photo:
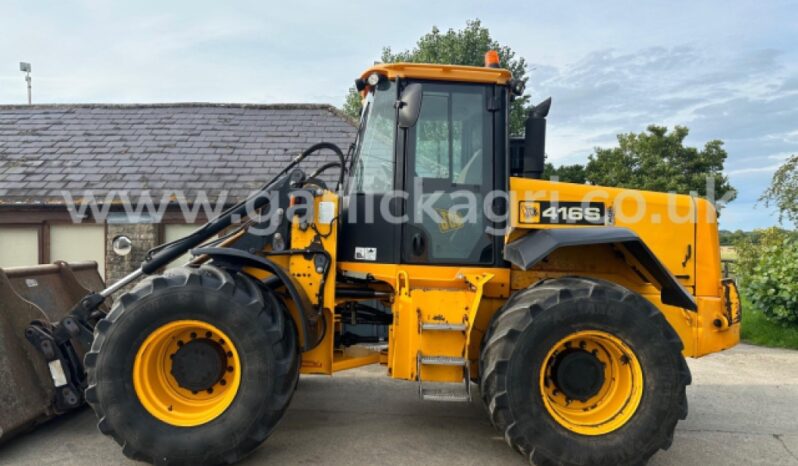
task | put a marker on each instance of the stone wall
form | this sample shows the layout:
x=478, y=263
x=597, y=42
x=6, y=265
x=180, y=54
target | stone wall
x=144, y=237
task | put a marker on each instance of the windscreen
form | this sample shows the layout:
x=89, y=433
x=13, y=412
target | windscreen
x=374, y=164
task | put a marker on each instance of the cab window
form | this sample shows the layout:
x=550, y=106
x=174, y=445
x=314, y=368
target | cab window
x=374, y=164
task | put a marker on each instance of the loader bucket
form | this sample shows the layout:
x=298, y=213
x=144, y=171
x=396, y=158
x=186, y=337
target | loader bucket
x=43, y=293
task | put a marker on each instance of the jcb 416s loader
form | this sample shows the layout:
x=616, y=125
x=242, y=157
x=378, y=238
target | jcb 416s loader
x=572, y=307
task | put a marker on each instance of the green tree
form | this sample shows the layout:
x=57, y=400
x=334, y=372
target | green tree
x=352, y=104
x=732, y=238
x=783, y=190
x=465, y=46
x=768, y=273
x=566, y=173
x=657, y=160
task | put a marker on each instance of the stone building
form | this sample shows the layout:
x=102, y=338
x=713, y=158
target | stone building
x=56, y=160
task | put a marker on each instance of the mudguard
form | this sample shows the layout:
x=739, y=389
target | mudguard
x=528, y=250
x=312, y=324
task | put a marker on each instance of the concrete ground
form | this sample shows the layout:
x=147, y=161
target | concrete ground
x=743, y=410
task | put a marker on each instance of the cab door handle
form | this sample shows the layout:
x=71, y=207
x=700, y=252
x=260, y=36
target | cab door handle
x=688, y=255
x=418, y=244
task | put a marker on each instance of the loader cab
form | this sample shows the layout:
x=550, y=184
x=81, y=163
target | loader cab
x=427, y=156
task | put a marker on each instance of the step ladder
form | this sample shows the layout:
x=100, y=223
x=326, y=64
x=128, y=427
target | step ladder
x=430, y=394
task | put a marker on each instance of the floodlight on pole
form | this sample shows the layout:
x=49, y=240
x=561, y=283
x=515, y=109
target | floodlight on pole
x=25, y=68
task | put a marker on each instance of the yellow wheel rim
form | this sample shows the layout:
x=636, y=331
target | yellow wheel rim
x=612, y=400
x=157, y=387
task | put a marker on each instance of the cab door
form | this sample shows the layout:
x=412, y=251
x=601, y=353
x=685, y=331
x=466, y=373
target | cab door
x=449, y=172
x=367, y=230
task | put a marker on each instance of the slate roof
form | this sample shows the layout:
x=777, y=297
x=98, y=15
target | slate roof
x=46, y=149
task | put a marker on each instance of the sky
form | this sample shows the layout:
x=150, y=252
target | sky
x=727, y=70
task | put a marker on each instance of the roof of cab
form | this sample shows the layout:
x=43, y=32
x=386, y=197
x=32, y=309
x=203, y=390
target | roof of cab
x=472, y=74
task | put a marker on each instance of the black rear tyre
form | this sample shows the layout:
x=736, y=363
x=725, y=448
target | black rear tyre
x=539, y=401
x=126, y=349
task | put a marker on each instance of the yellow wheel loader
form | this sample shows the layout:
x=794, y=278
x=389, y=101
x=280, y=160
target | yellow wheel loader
x=568, y=308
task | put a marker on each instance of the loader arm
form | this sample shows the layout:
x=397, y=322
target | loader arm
x=62, y=338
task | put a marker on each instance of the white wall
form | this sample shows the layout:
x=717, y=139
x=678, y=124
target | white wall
x=75, y=243
x=172, y=232
x=19, y=246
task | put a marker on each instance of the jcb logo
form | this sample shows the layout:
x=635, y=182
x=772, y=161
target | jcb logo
x=530, y=212
x=563, y=212
x=450, y=221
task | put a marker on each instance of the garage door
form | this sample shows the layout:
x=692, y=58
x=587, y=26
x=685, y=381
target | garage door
x=172, y=232
x=19, y=246
x=74, y=243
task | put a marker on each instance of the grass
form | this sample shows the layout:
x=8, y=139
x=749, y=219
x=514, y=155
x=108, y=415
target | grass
x=728, y=252
x=758, y=330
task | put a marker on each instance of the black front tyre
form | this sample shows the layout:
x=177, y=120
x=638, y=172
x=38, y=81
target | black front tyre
x=578, y=371
x=193, y=367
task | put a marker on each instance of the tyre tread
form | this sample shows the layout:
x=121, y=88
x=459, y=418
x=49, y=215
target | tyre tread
x=248, y=293
x=518, y=313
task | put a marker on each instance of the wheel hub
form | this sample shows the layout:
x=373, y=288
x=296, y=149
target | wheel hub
x=199, y=364
x=591, y=382
x=187, y=372
x=579, y=374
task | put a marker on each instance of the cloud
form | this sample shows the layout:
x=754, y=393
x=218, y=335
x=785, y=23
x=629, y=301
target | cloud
x=671, y=85
x=746, y=98
x=745, y=171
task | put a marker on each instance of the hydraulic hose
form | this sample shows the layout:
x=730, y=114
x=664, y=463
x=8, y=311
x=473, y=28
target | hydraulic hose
x=166, y=253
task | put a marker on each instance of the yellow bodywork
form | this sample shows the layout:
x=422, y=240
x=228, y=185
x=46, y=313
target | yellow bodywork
x=324, y=358
x=555, y=353
x=414, y=307
x=434, y=72
x=680, y=230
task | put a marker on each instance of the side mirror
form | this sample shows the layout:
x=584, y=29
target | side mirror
x=410, y=105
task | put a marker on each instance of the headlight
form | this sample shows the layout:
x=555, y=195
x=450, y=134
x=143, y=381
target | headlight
x=373, y=79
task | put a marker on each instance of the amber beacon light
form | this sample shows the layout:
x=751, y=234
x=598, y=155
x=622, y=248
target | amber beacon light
x=492, y=59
